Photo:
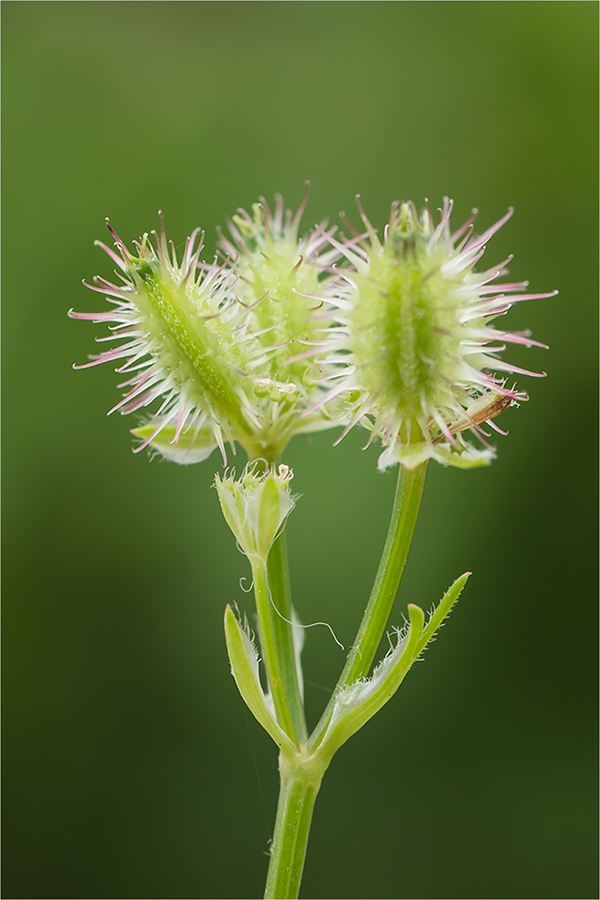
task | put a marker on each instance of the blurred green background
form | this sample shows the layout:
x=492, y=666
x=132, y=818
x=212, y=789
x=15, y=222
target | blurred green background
x=131, y=767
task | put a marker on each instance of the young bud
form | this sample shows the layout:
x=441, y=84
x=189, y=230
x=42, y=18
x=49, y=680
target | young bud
x=256, y=507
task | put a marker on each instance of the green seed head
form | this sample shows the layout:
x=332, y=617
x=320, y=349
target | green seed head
x=414, y=328
x=293, y=334
x=286, y=281
x=218, y=353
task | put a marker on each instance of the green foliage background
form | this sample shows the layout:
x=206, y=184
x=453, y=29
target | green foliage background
x=131, y=768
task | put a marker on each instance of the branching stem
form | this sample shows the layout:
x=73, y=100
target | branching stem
x=407, y=502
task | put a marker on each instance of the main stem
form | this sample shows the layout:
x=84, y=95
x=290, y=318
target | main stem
x=407, y=502
x=300, y=784
x=301, y=777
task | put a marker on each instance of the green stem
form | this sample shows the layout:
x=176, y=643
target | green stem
x=300, y=783
x=274, y=606
x=407, y=501
x=301, y=774
x=270, y=650
x=274, y=609
x=281, y=595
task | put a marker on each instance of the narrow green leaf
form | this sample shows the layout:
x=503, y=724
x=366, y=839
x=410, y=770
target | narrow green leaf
x=244, y=667
x=359, y=702
x=443, y=609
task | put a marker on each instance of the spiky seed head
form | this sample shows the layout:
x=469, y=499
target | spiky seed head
x=277, y=340
x=414, y=328
x=217, y=353
x=287, y=281
x=184, y=345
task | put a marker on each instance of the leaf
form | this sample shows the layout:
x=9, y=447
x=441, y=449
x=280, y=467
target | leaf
x=243, y=657
x=359, y=702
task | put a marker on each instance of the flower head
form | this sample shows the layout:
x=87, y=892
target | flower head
x=419, y=354
x=286, y=281
x=208, y=349
x=276, y=340
x=184, y=343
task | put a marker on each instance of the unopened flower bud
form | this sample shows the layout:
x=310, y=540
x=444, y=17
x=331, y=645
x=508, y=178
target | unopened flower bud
x=256, y=506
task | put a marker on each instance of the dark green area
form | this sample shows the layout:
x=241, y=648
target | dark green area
x=131, y=769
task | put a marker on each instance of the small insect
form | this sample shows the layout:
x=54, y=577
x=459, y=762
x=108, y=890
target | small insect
x=482, y=410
